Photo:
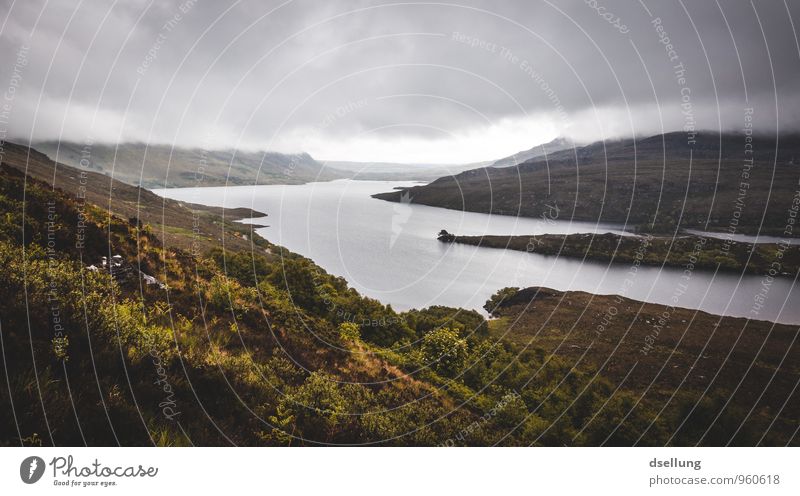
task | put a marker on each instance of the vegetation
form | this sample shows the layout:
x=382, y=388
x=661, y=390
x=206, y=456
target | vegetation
x=194, y=228
x=681, y=251
x=265, y=348
x=657, y=184
x=161, y=166
x=730, y=379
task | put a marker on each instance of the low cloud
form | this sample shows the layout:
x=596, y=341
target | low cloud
x=364, y=80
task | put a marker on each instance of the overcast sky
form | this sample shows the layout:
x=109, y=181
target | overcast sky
x=410, y=82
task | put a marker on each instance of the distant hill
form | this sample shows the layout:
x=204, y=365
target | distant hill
x=185, y=225
x=652, y=183
x=159, y=166
x=545, y=150
x=390, y=171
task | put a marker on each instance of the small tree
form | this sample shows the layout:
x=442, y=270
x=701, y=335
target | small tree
x=349, y=332
x=498, y=298
x=444, y=351
x=313, y=411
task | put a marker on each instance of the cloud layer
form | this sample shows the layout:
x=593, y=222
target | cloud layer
x=368, y=80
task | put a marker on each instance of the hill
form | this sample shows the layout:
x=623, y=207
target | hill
x=652, y=183
x=251, y=346
x=663, y=353
x=545, y=150
x=390, y=171
x=189, y=227
x=162, y=166
x=235, y=348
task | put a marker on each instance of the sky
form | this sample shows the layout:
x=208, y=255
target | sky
x=420, y=82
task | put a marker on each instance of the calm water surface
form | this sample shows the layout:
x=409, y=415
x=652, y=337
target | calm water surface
x=389, y=251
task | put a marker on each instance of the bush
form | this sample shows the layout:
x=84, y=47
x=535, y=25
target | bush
x=444, y=351
x=226, y=294
x=497, y=299
x=349, y=332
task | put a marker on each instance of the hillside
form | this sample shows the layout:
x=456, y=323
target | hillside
x=237, y=348
x=160, y=166
x=650, y=183
x=250, y=347
x=185, y=226
x=544, y=151
x=663, y=354
x=210, y=361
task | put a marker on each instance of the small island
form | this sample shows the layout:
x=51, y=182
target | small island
x=445, y=236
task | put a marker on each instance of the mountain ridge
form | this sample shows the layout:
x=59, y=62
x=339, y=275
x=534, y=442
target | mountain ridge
x=164, y=166
x=542, y=150
x=652, y=183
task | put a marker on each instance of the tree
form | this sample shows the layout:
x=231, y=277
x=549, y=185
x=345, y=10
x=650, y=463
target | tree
x=497, y=299
x=308, y=286
x=444, y=351
x=349, y=332
x=313, y=411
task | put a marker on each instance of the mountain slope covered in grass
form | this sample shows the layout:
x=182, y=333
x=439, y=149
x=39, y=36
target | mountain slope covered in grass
x=259, y=346
x=187, y=226
x=162, y=166
x=545, y=150
x=654, y=183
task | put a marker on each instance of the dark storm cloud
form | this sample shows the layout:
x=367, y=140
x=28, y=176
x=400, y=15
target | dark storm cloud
x=377, y=80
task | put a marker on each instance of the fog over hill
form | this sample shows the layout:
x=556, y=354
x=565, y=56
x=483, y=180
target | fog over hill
x=465, y=83
x=542, y=150
x=160, y=166
x=719, y=182
x=401, y=172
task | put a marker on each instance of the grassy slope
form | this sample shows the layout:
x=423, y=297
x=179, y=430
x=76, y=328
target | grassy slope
x=159, y=166
x=259, y=350
x=230, y=353
x=652, y=185
x=756, y=363
x=207, y=224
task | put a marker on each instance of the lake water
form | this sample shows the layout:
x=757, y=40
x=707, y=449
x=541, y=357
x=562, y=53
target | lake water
x=389, y=251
